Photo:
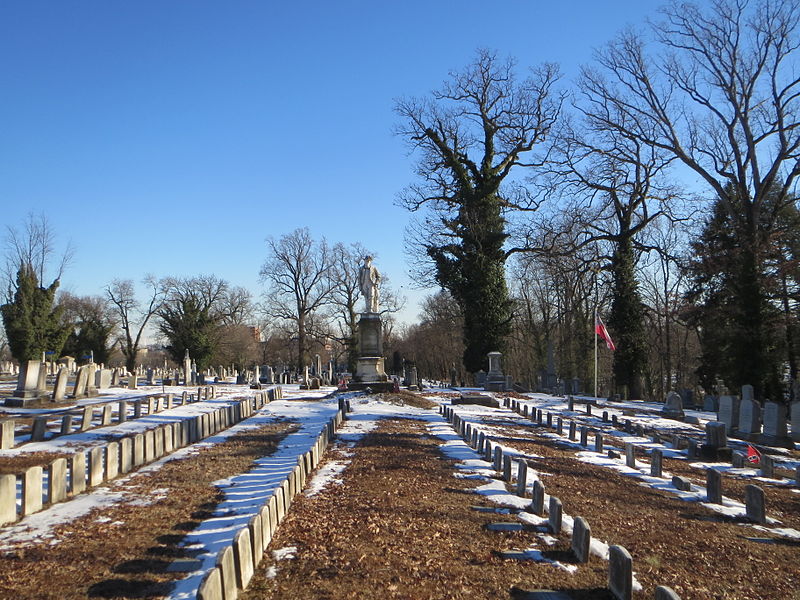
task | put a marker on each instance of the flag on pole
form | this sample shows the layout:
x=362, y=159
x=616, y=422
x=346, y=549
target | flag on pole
x=753, y=455
x=600, y=329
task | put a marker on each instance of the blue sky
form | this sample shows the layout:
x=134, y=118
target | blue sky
x=174, y=137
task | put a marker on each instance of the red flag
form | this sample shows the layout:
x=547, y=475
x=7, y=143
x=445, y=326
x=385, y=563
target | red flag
x=753, y=455
x=600, y=329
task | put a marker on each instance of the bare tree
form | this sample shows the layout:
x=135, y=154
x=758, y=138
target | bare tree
x=133, y=314
x=475, y=131
x=297, y=275
x=33, y=247
x=722, y=97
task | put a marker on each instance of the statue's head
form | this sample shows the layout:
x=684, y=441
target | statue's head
x=367, y=259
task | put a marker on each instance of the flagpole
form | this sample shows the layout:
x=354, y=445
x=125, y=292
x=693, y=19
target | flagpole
x=594, y=329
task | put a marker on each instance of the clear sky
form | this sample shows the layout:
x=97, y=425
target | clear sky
x=173, y=137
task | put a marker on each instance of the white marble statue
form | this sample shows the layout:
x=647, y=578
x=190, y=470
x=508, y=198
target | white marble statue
x=369, y=278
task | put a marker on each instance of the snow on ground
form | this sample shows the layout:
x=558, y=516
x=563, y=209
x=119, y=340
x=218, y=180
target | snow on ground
x=477, y=415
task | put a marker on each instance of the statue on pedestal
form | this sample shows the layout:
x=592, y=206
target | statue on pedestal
x=369, y=277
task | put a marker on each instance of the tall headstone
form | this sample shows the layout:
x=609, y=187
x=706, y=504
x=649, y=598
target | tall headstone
x=60, y=388
x=729, y=412
x=775, y=425
x=81, y=387
x=28, y=384
x=187, y=369
x=495, y=380
x=749, y=415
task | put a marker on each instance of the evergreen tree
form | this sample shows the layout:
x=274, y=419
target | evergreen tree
x=32, y=320
x=737, y=291
x=188, y=325
x=626, y=321
x=475, y=131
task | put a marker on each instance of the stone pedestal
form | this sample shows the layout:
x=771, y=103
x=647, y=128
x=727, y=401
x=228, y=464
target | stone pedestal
x=495, y=380
x=29, y=385
x=369, y=367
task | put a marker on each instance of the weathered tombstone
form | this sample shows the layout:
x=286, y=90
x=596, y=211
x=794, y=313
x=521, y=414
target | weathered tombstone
x=656, y=461
x=60, y=388
x=572, y=430
x=57, y=481
x=710, y=403
x=29, y=387
x=775, y=425
x=620, y=573
x=749, y=415
x=555, y=515
x=754, y=504
x=666, y=593
x=132, y=382
x=598, y=442
x=713, y=486
x=767, y=464
x=673, y=407
x=584, y=435
x=681, y=483
x=103, y=379
x=729, y=412
x=581, y=538
x=32, y=490
x=630, y=455
x=537, y=502
x=522, y=478
x=8, y=498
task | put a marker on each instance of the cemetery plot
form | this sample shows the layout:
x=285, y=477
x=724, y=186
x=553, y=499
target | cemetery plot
x=129, y=544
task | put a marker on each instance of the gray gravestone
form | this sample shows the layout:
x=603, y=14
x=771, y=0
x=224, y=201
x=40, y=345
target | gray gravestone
x=555, y=515
x=749, y=416
x=60, y=388
x=673, y=407
x=795, y=411
x=656, y=461
x=620, y=573
x=713, y=486
x=754, y=504
x=581, y=537
x=775, y=425
x=729, y=412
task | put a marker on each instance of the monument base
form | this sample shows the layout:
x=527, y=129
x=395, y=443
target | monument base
x=26, y=402
x=369, y=369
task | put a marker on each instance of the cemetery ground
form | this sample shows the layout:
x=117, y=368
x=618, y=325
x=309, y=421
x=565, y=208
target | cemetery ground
x=401, y=506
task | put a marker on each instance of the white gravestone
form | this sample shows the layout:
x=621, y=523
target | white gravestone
x=749, y=416
x=775, y=420
x=729, y=412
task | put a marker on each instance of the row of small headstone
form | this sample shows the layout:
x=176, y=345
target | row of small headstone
x=620, y=563
x=67, y=478
x=236, y=564
x=83, y=419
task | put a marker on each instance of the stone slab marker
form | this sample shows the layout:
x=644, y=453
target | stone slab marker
x=522, y=478
x=32, y=490
x=584, y=435
x=112, y=460
x=106, y=418
x=243, y=557
x=537, y=503
x=630, y=455
x=775, y=425
x=138, y=450
x=795, y=417
x=125, y=454
x=555, y=515
x=713, y=486
x=729, y=412
x=598, y=442
x=86, y=421
x=581, y=536
x=749, y=416
x=620, y=573
x=8, y=498
x=60, y=388
x=77, y=473
x=96, y=466
x=755, y=504
x=257, y=542
x=38, y=429
x=227, y=569
x=57, y=481
x=7, y=434
x=211, y=586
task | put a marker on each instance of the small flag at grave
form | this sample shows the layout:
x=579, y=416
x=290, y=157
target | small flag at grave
x=600, y=329
x=753, y=455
